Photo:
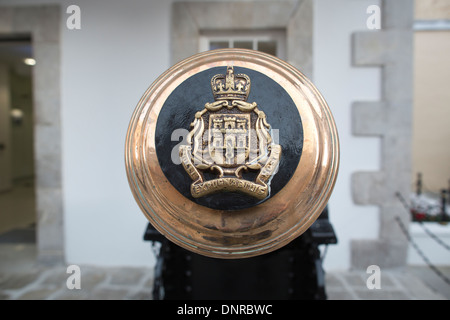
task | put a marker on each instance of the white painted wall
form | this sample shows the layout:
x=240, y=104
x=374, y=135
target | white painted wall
x=121, y=49
x=341, y=84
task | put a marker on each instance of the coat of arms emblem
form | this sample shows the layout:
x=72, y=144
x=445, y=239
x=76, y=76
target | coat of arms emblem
x=230, y=138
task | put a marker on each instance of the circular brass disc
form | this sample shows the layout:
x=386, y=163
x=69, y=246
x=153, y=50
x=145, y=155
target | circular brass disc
x=244, y=232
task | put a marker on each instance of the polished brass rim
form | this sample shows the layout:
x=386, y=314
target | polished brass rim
x=247, y=232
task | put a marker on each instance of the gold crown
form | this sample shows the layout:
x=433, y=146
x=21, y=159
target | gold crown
x=230, y=86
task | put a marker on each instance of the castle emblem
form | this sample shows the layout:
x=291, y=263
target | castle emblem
x=230, y=139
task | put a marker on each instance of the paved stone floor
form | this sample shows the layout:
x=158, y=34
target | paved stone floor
x=96, y=283
x=21, y=278
x=136, y=283
x=394, y=285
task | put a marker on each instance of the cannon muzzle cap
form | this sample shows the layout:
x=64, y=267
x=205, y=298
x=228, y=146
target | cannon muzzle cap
x=232, y=153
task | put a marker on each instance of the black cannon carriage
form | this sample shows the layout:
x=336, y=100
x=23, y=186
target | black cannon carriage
x=293, y=272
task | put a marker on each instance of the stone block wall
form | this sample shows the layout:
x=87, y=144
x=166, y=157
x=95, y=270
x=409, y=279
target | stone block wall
x=390, y=119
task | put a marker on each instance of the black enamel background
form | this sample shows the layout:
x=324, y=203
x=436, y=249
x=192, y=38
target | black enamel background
x=190, y=97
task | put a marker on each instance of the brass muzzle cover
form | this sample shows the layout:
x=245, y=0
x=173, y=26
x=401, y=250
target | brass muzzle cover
x=232, y=153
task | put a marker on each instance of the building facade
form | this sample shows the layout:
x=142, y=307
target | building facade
x=88, y=80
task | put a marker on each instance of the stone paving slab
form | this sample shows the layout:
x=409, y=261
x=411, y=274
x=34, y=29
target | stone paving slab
x=394, y=285
x=96, y=284
x=99, y=283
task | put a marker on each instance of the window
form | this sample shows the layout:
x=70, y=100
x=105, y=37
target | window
x=269, y=41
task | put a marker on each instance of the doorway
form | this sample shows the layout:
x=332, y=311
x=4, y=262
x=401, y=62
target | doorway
x=43, y=24
x=17, y=183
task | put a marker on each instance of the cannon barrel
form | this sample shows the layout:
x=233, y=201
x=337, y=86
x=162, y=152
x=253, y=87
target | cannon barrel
x=231, y=154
